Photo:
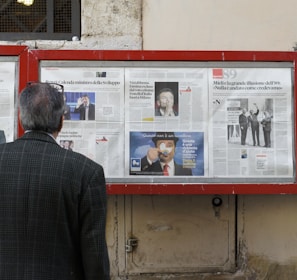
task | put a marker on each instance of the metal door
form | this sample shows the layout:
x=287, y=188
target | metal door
x=178, y=233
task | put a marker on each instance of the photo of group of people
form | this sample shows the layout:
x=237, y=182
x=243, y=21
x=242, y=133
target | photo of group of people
x=250, y=125
x=79, y=106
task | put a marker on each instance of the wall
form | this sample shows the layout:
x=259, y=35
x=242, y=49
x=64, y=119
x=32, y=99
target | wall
x=267, y=231
x=219, y=25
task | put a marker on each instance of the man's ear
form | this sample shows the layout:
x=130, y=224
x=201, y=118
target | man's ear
x=61, y=123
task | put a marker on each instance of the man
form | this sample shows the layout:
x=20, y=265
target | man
x=160, y=159
x=67, y=110
x=243, y=124
x=53, y=201
x=254, y=124
x=85, y=109
x=165, y=103
x=2, y=137
x=266, y=124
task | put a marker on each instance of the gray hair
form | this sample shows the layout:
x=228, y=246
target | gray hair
x=41, y=107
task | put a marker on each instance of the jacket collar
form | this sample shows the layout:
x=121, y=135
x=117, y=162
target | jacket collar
x=39, y=136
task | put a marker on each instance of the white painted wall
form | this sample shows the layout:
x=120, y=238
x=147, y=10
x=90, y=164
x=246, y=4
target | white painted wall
x=219, y=25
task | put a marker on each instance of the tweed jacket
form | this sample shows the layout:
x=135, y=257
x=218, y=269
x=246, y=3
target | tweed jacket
x=2, y=137
x=52, y=212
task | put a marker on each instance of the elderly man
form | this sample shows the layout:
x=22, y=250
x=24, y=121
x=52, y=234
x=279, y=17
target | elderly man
x=53, y=201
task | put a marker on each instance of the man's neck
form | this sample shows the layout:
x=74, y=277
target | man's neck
x=55, y=134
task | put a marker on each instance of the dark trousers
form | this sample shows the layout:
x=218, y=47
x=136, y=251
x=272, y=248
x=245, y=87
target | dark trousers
x=267, y=139
x=255, y=133
x=243, y=135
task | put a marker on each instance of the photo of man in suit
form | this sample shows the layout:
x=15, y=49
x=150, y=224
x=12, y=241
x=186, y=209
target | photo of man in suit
x=160, y=159
x=2, y=137
x=255, y=126
x=243, y=124
x=266, y=125
x=85, y=108
x=53, y=201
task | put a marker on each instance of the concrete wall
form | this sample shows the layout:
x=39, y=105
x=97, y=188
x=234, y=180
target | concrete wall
x=267, y=236
x=267, y=231
x=219, y=25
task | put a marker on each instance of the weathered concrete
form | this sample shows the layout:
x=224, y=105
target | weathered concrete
x=260, y=267
x=184, y=277
x=115, y=24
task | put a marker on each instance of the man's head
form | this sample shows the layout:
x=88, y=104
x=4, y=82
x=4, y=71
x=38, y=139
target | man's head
x=42, y=107
x=66, y=144
x=166, y=143
x=85, y=100
x=165, y=98
x=243, y=110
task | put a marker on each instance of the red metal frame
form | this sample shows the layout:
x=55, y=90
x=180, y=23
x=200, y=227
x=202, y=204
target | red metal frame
x=21, y=52
x=35, y=56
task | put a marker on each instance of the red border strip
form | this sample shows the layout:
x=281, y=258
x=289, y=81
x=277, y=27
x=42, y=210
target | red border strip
x=169, y=189
x=35, y=56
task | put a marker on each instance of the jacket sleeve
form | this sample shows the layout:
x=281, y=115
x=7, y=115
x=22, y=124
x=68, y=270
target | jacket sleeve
x=93, y=208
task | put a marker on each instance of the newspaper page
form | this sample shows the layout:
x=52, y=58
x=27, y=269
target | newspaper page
x=7, y=103
x=251, y=122
x=94, y=113
x=166, y=121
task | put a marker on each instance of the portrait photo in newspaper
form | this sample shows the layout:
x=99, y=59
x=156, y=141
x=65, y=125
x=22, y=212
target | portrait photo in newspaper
x=166, y=99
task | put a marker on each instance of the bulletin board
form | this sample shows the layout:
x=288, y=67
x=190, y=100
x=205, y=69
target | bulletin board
x=224, y=121
x=13, y=60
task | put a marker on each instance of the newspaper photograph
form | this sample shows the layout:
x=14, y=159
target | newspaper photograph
x=167, y=153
